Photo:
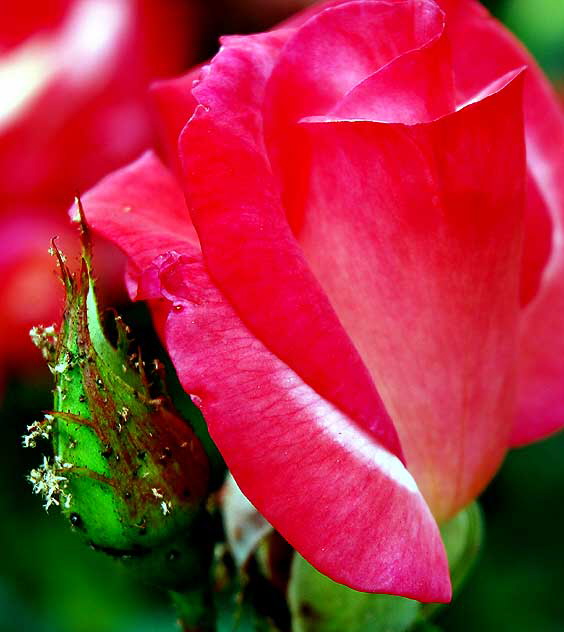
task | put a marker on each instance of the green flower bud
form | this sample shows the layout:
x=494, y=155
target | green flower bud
x=318, y=604
x=128, y=472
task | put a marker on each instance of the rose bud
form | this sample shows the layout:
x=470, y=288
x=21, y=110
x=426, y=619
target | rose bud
x=354, y=260
x=127, y=471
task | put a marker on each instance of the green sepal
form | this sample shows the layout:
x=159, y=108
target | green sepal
x=463, y=536
x=318, y=604
x=189, y=411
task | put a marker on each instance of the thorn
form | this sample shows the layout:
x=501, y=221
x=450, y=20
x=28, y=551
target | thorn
x=65, y=277
x=85, y=234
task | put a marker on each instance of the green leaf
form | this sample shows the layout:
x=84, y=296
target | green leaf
x=462, y=536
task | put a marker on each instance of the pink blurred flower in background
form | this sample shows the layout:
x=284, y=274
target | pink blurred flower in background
x=73, y=85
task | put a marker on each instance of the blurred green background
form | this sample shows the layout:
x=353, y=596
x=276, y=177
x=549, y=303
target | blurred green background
x=49, y=582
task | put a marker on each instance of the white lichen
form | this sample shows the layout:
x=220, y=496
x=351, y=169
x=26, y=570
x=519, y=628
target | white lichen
x=52, y=251
x=38, y=430
x=62, y=365
x=49, y=481
x=166, y=505
x=62, y=394
x=45, y=339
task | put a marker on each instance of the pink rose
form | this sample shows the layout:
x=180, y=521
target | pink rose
x=74, y=106
x=354, y=307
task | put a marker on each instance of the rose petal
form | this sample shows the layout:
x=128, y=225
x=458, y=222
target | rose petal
x=175, y=104
x=537, y=242
x=484, y=50
x=141, y=209
x=248, y=247
x=416, y=87
x=415, y=235
x=347, y=504
x=323, y=61
x=244, y=526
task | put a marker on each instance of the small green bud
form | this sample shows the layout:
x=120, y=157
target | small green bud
x=318, y=604
x=129, y=473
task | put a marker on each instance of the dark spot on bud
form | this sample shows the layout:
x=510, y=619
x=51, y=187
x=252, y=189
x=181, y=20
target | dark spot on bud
x=127, y=495
x=82, y=399
x=308, y=612
x=107, y=451
x=141, y=455
x=186, y=492
x=100, y=383
x=76, y=521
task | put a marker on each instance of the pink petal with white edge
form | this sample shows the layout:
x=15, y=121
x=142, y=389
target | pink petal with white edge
x=248, y=247
x=425, y=277
x=377, y=532
x=341, y=499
